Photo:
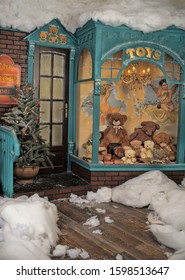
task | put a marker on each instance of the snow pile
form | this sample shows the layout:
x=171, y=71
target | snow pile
x=103, y=194
x=28, y=228
x=72, y=253
x=138, y=192
x=166, y=200
x=144, y=15
x=29, y=231
x=92, y=222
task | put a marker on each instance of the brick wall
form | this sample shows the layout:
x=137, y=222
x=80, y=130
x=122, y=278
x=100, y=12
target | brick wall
x=13, y=44
x=113, y=178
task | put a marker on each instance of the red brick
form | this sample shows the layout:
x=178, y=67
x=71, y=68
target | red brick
x=112, y=183
x=105, y=178
x=6, y=51
x=13, y=47
x=2, y=36
x=20, y=34
x=20, y=51
x=94, y=178
x=20, y=43
x=65, y=190
x=97, y=183
x=49, y=192
x=111, y=173
x=119, y=178
x=97, y=173
x=23, y=47
x=14, y=38
x=125, y=173
x=6, y=32
x=3, y=46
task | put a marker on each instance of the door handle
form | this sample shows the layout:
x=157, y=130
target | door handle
x=66, y=110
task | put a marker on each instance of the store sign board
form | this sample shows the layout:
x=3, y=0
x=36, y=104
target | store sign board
x=10, y=78
x=145, y=52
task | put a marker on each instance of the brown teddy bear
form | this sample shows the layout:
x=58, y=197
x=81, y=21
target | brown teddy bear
x=146, y=131
x=118, y=152
x=164, y=140
x=115, y=132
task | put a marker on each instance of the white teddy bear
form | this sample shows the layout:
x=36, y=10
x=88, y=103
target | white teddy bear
x=146, y=152
x=129, y=157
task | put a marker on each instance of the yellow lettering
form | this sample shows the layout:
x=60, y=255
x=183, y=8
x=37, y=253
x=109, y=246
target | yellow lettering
x=149, y=52
x=140, y=52
x=157, y=55
x=5, y=66
x=130, y=52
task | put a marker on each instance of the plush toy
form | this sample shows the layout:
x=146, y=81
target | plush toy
x=164, y=140
x=147, y=150
x=146, y=131
x=118, y=153
x=159, y=157
x=88, y=151
x=136, y=145
x=110, y=148
x=130, y=155
x=115, y=132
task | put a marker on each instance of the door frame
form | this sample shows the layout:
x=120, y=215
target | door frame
x=70, y=43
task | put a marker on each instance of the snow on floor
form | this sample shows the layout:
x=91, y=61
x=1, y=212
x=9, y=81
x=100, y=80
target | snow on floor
x=28, y=226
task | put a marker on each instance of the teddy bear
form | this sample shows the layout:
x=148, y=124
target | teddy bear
x=118, y=153
x=159, y=157
x=115, y=132
x=88, y=151
x=129, y=157
x=136, y=145
x=164, y=142
x=145, y=132
x=147, y=150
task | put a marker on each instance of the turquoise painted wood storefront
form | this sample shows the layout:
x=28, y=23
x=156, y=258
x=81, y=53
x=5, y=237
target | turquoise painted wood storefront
x=100, y=56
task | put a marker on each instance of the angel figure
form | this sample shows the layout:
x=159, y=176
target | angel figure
x=165, y=96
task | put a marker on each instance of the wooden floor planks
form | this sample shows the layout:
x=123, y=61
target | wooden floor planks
x=127, y=235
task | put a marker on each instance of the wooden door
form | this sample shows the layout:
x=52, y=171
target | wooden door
x=51, y=85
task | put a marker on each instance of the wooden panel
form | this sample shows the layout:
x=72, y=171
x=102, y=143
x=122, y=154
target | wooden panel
x=127, y=235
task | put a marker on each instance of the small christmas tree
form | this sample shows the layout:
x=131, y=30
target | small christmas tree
x=24, y=119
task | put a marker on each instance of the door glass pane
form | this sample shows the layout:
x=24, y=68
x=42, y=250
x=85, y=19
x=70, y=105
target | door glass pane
x=45, y=66
x=57, y=135
x=45, y=88
x=44, y=111
x=58, y=67
x=57, y=112
x=58, y=88
x=45, y=132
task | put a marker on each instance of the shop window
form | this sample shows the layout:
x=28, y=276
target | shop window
x=85, y=65
x=172, y=68
x=137, y=93
x=85, y=120
x=111, y=67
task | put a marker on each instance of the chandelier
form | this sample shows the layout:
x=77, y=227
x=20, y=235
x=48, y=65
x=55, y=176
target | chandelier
x=136, y=74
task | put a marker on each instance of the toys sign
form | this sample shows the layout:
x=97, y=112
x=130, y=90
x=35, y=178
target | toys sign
x=143, y=52
x=10, y=78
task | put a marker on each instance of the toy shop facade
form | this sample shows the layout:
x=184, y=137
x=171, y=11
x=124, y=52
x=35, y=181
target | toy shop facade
x=129, y=91
x=113, y=97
